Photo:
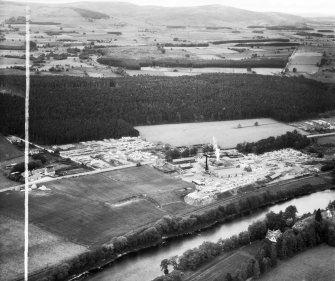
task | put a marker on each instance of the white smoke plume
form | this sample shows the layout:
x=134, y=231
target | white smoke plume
x=216, y=149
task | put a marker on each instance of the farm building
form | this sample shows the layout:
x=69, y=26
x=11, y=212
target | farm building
x=185, y=166
x=273, y=235
x=183, y=160
x=198, y=182
x=165, y=167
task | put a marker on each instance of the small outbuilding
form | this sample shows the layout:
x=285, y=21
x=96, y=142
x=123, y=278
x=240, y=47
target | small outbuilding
x=273, y=235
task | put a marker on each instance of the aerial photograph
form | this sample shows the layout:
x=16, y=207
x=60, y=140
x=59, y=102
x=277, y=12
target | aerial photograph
x=166, y=140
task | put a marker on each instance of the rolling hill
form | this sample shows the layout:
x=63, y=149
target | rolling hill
x=105, y=12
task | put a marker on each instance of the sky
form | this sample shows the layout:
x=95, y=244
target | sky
x=310, y=7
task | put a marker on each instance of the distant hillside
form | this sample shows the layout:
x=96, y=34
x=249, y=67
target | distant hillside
x=215, y=15
x=91, y=14
x=210, y=15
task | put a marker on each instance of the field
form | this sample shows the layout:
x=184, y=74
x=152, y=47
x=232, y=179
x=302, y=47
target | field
x=41, y=244
x=7, y=150
x=326, y=140
x=116, y=186
x=8, y=154
x=179, y=71
x=305, y=61
x=115, y=202
x=313, y=265
x=228, y=262
x=128, y=34
x=226, y=132
x=8, y=62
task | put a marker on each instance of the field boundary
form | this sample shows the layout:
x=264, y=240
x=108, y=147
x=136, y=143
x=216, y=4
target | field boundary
x=73, y=176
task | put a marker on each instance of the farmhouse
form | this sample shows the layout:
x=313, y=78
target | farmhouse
x=329, y=214
x=32, y=176
x=198, y=182
x=273, y=235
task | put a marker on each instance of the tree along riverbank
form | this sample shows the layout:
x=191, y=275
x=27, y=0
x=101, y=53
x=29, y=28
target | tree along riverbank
x=255, y=250
x=170, y=227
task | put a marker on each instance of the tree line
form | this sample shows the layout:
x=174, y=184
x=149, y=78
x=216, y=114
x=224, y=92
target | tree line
x=315, y=231
x=250, y=41
x=269, y=44
x=288, y=140
x=186, y=45
x=170, y=226
x=136, y=64
x=288, y=27
x=71, y=109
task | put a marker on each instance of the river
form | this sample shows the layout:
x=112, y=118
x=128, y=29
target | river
x=144, y=265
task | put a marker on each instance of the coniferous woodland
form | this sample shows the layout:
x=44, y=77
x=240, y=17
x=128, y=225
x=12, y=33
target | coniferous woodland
x=72, y=109
x=136, y=64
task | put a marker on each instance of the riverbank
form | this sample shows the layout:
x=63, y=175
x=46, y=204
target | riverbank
x=148, y=261
x=195, y=231
x=220, y=261
x=154, y=236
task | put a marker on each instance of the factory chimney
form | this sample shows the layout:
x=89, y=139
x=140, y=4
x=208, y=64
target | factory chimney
x=206, y=168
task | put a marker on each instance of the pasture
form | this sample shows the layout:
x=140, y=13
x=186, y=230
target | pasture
x=118, y=185
x=45, y=248
x=326, y=140
x=218, y=268
x=91, y=210
x=311, y=265
x=179, y=71
x=227, y=133
x=8, y=154
x=8, y=62
x=7, y=150
x=305, y=61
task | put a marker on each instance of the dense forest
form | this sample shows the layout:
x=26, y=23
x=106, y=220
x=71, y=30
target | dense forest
x=303, y=33
x=91, y=14
x=33, y=46
x=288, y=27
x=136, y=64
x=288, y=140
x=186, y=44
x=284, y=40
x=72, y=109
x=270, y=44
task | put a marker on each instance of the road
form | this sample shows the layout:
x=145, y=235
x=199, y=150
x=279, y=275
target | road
x=44, y=180
x=49, y=179
x=321, y=135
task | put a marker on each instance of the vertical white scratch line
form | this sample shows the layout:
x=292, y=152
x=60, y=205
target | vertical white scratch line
x=26, y=147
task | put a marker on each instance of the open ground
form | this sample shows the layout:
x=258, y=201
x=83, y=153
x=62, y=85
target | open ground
x=218, y=268
x=313, y=265
x=8, y=154
x=7, y=150
x=227, y=133
x=41, y=244
x=114, y=203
